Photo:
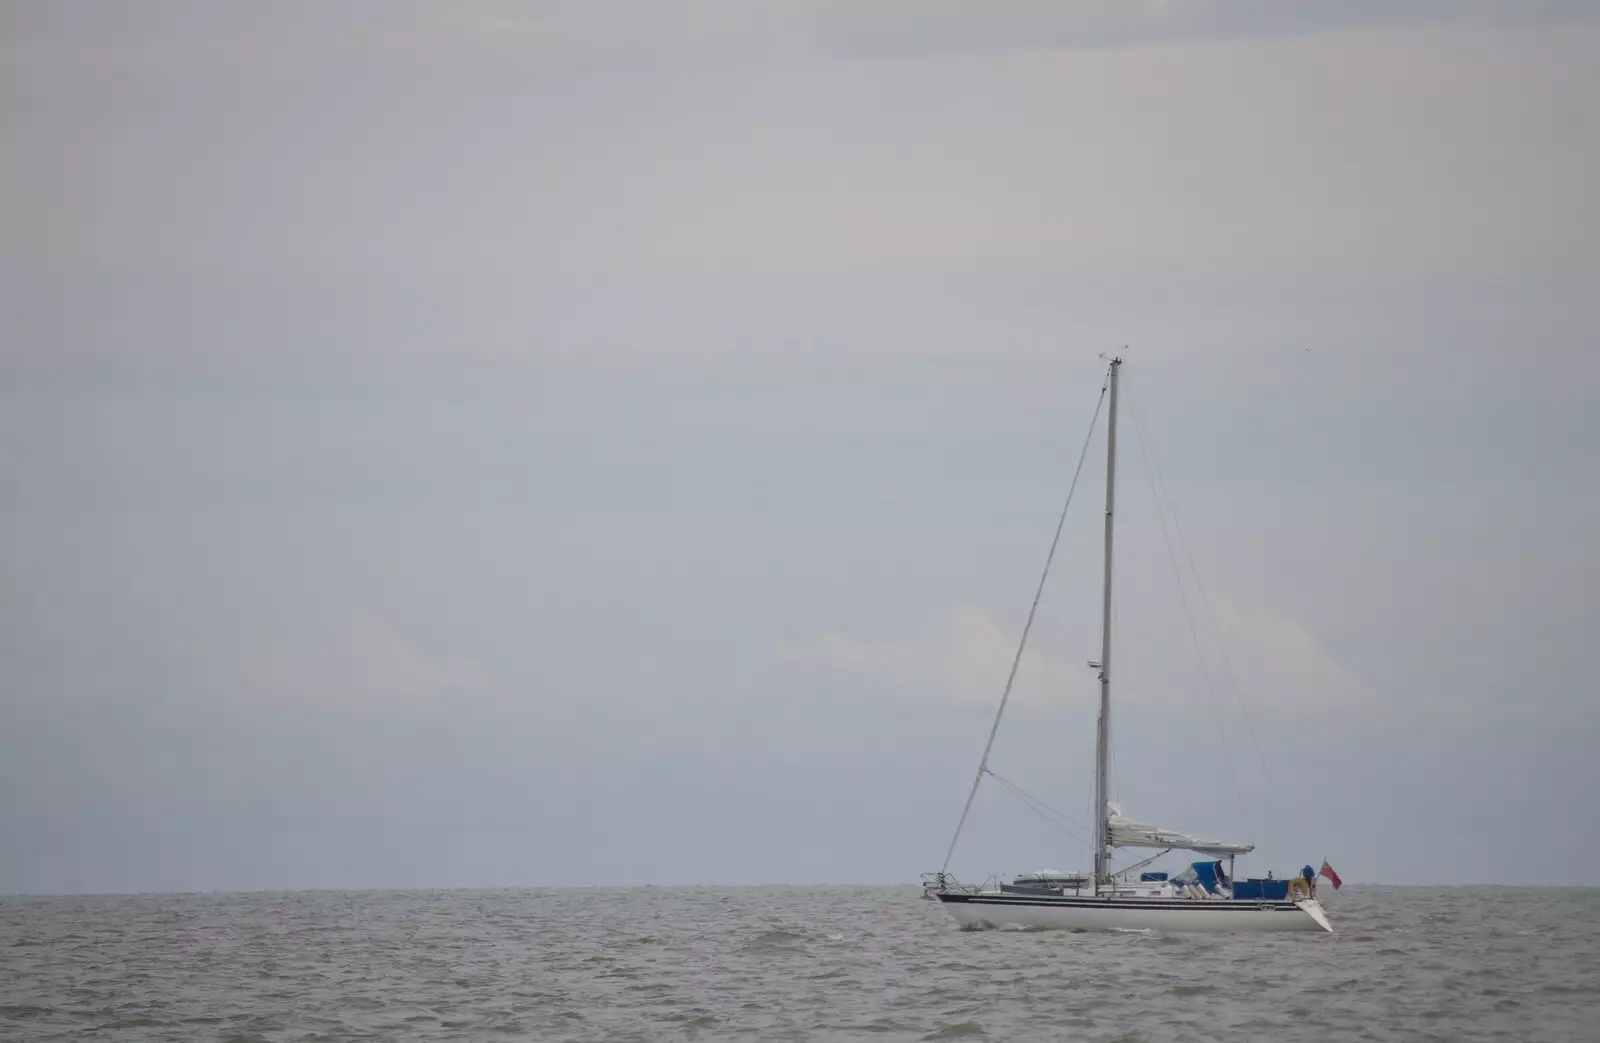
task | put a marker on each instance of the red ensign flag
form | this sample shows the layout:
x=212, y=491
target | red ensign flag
x=1328, y=872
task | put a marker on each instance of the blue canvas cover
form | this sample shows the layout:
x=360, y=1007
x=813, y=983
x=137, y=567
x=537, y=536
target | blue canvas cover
x=1259, y=890
x=1209, y=874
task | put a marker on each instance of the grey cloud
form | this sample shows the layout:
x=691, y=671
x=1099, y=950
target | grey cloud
x=636, y=192
x=295, y=38
x=954, y=27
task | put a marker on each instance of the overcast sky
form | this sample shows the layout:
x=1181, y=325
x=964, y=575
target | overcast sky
x=500, y=444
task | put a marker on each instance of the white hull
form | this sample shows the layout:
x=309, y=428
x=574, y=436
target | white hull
x=986, y=910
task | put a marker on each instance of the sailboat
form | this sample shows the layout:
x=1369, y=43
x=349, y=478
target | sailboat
x=1204, y=897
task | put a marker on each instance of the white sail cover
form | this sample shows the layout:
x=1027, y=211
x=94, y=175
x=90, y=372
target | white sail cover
x=1127, y=833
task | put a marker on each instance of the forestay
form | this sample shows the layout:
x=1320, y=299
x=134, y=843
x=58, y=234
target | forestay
x=1125, y=832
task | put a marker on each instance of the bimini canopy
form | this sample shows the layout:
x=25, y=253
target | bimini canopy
x=1127, y=833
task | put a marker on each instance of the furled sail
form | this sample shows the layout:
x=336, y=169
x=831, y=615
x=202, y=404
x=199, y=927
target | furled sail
x=1127, y=833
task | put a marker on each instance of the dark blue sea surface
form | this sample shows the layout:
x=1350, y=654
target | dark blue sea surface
x=798, y=964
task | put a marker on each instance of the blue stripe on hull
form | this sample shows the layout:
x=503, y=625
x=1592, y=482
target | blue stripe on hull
x=1162, y=904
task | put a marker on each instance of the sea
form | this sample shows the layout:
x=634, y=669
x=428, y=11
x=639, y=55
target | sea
x=805, y=965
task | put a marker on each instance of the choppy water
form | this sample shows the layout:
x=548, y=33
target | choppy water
x=800, y=964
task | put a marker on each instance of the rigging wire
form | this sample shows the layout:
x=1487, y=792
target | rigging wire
x=1183, y=598
x=1230, y=675
x=1060, y=821
x=1005, y=695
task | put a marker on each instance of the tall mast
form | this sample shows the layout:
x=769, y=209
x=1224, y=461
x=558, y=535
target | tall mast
x=1102, y=745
